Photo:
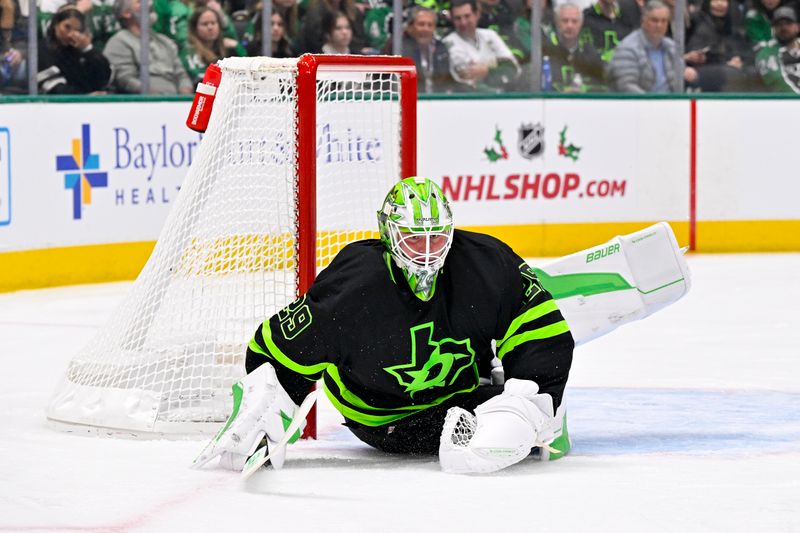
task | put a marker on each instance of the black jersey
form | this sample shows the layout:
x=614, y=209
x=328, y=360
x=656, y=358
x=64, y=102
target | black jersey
x=384, y=354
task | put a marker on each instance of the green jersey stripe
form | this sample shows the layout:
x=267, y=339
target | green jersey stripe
x=537, y=334
x=357, y=414
x=275, y=353
x=528, y=316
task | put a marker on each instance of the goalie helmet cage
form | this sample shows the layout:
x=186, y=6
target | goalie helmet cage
x=298, y=155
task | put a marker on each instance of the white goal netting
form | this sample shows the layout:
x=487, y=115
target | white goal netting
x=227, y=256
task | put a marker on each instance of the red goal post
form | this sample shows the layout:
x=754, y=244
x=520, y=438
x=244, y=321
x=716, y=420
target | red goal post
x=308, y=68
x=296, y=159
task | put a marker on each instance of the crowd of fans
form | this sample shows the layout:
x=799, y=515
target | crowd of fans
x=459, y=46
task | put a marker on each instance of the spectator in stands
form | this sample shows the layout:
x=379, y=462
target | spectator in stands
x=717, y=47
x=228, y=28
x=13, y=71
x=167, y=75
x=428, y=52
x=604, y=27
x=100, y=20
x=646, y=61
x=8, y=15
x=172, y=20
x=312, y=35
x=281, y=45
x=291, y=17
x=672, y=29
x=378, y=19
x=338, y=33
x=758, y=23
x=778, y=63
x=522, y=31
x=206, y=44
x=631, y=11
x=576, y=66
x=45, y=11
x=13, y=77
x=68, y=64
x=99, y=15
x=499, y=15
x=479, y=59
x=444, y=21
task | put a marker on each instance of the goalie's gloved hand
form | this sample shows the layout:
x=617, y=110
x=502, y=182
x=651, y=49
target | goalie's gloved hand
x=502, y=432
x=261, y=411
x=536, y=408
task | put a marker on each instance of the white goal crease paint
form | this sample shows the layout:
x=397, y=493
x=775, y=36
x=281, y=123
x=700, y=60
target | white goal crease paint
x=685, y=421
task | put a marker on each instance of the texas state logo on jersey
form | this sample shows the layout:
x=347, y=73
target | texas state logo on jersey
x=433, y=363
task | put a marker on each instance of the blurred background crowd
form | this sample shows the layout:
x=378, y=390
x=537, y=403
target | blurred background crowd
x=459, y=46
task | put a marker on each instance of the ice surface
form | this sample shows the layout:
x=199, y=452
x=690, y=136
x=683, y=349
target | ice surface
x=686, y=421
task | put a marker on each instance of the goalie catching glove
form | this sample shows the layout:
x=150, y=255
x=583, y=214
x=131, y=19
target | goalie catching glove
x=262, y=410
x=503, y=431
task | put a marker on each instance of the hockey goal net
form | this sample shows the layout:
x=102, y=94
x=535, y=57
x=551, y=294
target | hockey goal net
x=297, y=157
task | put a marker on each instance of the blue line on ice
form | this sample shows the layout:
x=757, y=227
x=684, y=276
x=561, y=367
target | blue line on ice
x=617, y=421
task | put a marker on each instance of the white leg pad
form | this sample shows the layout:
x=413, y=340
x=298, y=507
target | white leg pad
x=626, y=279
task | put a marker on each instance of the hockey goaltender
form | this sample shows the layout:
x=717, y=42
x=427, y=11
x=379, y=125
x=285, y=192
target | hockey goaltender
x=436, y=340
x=401, y=331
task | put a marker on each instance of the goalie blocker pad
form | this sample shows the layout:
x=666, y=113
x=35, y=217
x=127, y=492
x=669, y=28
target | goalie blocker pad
x=626, y=279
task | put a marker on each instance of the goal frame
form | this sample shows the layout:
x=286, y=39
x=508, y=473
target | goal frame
x=310, y=74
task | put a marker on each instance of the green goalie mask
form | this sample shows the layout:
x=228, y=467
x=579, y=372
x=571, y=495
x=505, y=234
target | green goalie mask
x=416, y=226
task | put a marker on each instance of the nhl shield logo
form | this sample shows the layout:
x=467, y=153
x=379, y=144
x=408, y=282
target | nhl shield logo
x=531, y=140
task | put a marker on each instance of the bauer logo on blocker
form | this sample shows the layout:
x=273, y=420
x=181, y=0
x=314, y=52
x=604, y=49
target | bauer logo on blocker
x=81, y=168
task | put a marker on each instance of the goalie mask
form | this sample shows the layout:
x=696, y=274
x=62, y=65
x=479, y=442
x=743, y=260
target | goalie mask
x=416, y=226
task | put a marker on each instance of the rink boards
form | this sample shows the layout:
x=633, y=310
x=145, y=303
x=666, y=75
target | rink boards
x=85, y=187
